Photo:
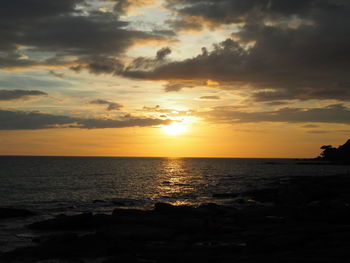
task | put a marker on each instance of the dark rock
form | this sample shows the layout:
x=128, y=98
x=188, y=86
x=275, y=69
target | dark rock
x=130, y=258
x=56, y=239
x=98, y=201
x=64, y=222
x=214, y=209
x=137, y=233
x=163, y=207
x=127, y=212
x=14, y=212
x=180, y=210
x=225, y=195
x=118, y=203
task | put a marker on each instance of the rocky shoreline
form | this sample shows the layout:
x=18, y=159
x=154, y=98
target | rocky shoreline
x=299, y=219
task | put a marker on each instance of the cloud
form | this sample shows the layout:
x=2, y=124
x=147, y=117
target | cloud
x=21, y=120
x=162, y=53
x=63, y=33
x=99, y=65
x=332, y=114
x=19, y=94
x=276, y=103
x=148, y=64
x=283, y=50
x=309, y=126
x=56, y=74
x=174, y=86
x=111, y=106
x=318, y=131
x=242, y=11
x=209, y=97
x=328, y=131
x=122, y=6
x=167, y=112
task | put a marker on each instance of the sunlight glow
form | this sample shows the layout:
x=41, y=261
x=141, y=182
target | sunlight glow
x=175, y=128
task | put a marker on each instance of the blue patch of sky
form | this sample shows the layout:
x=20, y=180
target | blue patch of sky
x=31, y=80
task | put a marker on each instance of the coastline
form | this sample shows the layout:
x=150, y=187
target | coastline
x=297, y=219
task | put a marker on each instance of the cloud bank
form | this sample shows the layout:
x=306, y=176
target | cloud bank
x=19, y=94
x=111, y=106
x=332, y=114
x=22, y=120
x=65, y=32
x=285, y=50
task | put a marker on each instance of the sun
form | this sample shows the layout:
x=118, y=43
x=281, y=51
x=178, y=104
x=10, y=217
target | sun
x=175, y=128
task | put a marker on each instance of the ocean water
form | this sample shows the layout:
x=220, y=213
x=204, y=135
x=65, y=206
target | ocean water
x=76, y=184
x=69, y=185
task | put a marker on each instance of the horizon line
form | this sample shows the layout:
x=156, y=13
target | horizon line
x=164, y=157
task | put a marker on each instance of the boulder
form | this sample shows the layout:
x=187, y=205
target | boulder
x=64, y=222
x=14, y=212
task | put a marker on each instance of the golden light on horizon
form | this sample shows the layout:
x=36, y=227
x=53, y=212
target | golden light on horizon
x=175, y=128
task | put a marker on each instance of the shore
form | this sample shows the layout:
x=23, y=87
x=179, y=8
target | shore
x=299, y=219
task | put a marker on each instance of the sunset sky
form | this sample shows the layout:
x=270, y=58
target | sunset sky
x=196, y=78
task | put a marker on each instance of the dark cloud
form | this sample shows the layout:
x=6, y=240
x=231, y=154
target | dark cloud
x=242, y=11
x=121, y=6
x=332, y=114
x=99, y=65
x=209, y=97
x=111, y=106
x=148, y=64
x=56, y=74
x=328, y=131
x=63, y=31
x=186, y=24
x=162, y=53
x=173, y=86
x=276, y=103
x=20, y=120
x=284, y=49
x=19, y=94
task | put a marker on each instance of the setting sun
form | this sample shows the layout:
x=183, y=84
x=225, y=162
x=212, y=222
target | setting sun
x=175, y=128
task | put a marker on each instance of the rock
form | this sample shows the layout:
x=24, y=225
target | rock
x=136, y=233
x=225, y=195
x=180, y=210
x=14, y=212
x=64, y=222
x=127, y=212
x=163, y=207
x=118, y=203
x=56, y=239
x=284, y=242
x=98, y=201
x=149, y=218
x=214, y=209
x=130, y=258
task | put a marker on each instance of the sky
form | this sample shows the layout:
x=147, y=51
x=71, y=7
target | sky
x=174, y=78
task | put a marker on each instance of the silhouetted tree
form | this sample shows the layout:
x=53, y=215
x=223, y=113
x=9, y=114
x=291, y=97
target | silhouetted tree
x=338, y=155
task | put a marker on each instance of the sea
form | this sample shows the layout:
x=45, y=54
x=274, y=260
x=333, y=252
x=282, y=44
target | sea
x=64, y=184
x=67, y=185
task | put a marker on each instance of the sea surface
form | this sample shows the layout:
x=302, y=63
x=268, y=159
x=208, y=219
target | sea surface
x=66, y=184
x=54, y=185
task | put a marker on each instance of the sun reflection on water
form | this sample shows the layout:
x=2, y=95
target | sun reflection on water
x=176, y=182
